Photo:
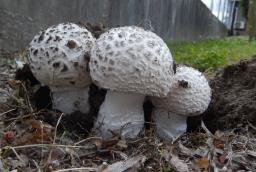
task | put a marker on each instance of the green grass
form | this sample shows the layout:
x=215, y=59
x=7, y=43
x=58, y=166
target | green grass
x=214, y=53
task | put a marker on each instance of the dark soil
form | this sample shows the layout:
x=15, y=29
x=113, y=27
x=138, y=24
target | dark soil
x=233, y=102
x=95, y=29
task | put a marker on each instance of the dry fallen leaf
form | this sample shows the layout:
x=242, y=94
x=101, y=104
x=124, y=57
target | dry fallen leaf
x=14, y=83
x=37, y=132
x=201, y=163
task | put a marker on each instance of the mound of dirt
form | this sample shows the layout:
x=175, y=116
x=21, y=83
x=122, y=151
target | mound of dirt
x=233, y=102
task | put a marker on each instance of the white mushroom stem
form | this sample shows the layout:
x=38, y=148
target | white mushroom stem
x=121, y=113
x=169, y=125
x=69, y=101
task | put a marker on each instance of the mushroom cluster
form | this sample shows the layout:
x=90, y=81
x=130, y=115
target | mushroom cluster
x=130, y=63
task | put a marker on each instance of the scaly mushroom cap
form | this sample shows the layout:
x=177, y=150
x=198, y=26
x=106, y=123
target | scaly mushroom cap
x=131, y=59
x=190, y=93
x=59, y=56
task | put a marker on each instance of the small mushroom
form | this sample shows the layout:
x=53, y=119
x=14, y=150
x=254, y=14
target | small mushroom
x=130, y=62
x=190, y=95
x=58, y=57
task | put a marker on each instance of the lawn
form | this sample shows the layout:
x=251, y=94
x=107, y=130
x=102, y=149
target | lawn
x=214, y=53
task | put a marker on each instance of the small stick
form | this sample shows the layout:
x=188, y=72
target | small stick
x=41, y=145
x=6, y=112
x=27, y=98
x=77, y=169
x=54, y=139
x=56, y=128
x=87, y=139
x=17, y=155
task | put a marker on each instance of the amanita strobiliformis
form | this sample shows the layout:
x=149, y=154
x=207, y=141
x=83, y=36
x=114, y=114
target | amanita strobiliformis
x=190, y=95
x=130, y=62
x=58, y=58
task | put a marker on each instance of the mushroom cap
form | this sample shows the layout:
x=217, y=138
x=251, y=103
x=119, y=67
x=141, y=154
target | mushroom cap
x=190, y=94
x=131, y=59
x=59, y=56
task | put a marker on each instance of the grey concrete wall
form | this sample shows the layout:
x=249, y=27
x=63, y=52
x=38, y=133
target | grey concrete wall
x=173, y=20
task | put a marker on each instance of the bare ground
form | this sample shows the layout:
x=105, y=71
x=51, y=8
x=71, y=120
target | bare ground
x=233, y=102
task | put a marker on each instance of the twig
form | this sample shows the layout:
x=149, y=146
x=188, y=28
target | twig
x=37, y=166
x=22, y=117
x=17, y=155
x=56, y=128
x=27, y=98
x=175, y=139
x=80, y=156
x=252, y=126
x=6, y=112
x=18, y=118
x=87, y=139
x=77, y=169
x=138, y=140
x=54, y=138
x=206, y=129
x=43, y=145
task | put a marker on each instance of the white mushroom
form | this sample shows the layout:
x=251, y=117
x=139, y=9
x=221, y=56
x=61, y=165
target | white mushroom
x=130, y=62
x=59, y=58
x=190, y=95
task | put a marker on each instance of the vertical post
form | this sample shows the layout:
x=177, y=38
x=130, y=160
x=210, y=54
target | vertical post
x=251, y=24
x=233, y=15
x=254, y=18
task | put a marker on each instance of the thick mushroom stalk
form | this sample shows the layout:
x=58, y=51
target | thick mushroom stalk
x=190, y=95
x=130, y=62
x=58, y=58
x=71, y=100
x=169, y=125
x=121, y=113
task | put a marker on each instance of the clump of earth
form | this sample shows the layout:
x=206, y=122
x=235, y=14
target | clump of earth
x=233, y=102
